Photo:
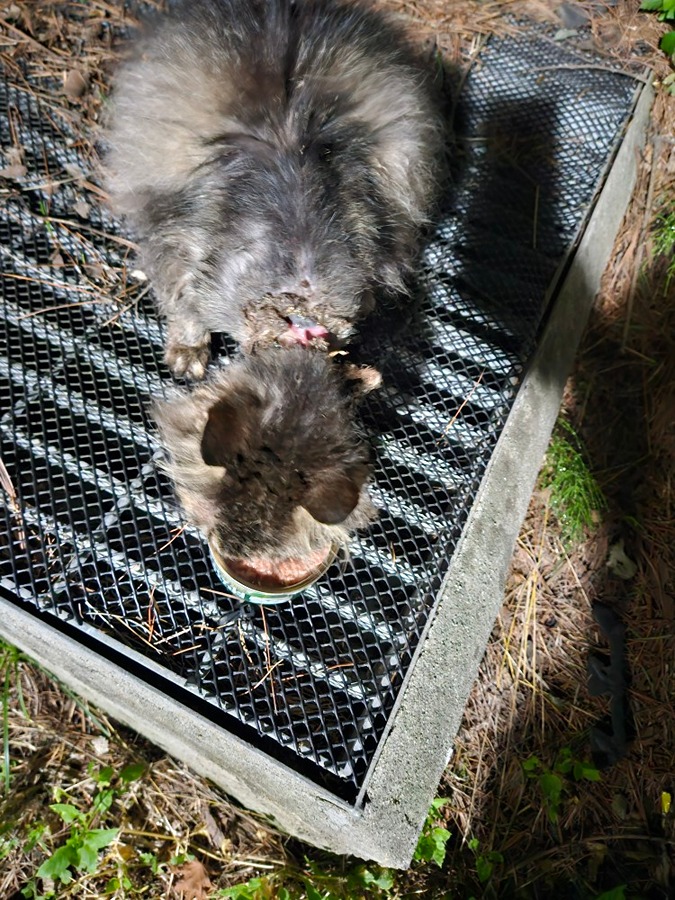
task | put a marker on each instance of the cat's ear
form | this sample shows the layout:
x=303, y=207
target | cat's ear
x=333, y=497
x=228, y=429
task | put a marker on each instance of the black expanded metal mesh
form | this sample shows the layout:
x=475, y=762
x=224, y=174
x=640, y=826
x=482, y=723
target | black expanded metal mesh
x=90, y=535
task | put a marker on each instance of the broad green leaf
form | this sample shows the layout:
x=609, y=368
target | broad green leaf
x=87, y=858
x=483, y=869
x=149, y=859
x=59, y=863
x=245, y=891
x=437, y=804
x=431, y=846
x=104, y=799
x=587, y=771
x=650, y=5
x=67, y=812
x=105, y=776
x=132, y=772
x=98, y=838
x=551, y=787
x=33, y=837
x=385, y=880
x=668, y=43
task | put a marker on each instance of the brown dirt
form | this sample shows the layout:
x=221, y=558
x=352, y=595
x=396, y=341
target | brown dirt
x=531, y=696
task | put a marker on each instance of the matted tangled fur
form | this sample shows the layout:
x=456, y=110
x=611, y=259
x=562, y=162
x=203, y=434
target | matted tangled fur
x=273, y=157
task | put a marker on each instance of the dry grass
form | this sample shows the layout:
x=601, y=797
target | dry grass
x=531, y=696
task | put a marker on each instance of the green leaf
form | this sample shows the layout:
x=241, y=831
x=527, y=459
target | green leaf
x=105, y=776
x=616, y=893
x=87, y=859
x=67, y=812
x=312, y=893
x=98, y=838
x=362, y=876
x=431, y=846
x=668, y=43
x=531, y=764
x=180, y=858
x=245, y=891
x=59, y=863
x=551, y=787
x=33, y=837
x=650, y=5
x=283, y=894
x=483, y=869
x=132, y=772
x=104, y=800
x=587, y=771
x=385, y=880
x=149, y=859
x=117, y=884
x=436, y=805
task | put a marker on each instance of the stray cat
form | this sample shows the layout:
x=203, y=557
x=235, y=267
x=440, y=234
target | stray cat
x=276, y=159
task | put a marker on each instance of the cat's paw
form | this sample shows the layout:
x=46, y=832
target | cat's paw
x=188, y=361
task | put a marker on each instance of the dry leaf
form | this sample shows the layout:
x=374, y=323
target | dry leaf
x=74, y=84
x=15, y=171
x=216, y=836
x=14, y=155
x=82, y=208
x=193, y=883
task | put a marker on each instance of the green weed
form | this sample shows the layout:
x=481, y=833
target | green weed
x=431, y=845
x=79, y=853
x=666, y=13
x=556, y=782
x=485, y=862
x=663, y=237
x=576, y=498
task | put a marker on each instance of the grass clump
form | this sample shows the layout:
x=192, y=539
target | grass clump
x=576, y=497
x=663, y=237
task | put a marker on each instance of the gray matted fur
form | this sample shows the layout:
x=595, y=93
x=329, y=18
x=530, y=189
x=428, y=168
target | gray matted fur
x=273, y=157
x=265, y=455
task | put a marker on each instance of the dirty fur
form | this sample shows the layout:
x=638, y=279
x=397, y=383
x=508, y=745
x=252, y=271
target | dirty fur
x=272, y=157
x=265, y=455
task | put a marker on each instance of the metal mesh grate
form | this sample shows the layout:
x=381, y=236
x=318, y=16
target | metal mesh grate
x=91, y=537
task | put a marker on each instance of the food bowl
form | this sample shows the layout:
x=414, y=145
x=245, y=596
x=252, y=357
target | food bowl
x=248, y=590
